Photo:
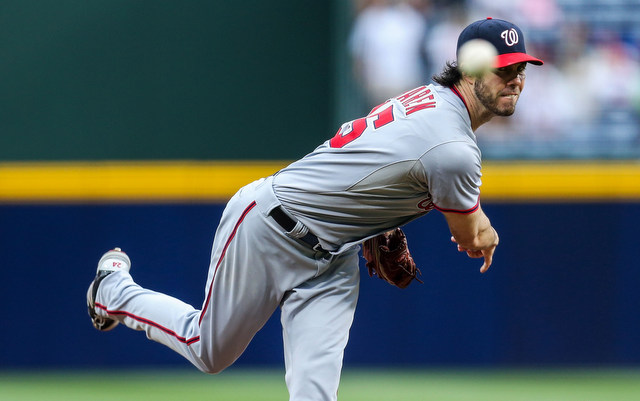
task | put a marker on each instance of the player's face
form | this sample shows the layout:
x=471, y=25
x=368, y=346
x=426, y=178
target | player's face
x=499, y=90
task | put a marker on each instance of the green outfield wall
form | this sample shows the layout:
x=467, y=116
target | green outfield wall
x=158, y=79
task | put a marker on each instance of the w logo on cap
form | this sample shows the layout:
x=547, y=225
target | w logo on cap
x=506, y=37
x=510, y=37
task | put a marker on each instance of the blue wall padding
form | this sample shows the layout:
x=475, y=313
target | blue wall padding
x=563, y=288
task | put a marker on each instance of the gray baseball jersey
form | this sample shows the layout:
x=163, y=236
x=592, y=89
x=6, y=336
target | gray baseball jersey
x=412, y=154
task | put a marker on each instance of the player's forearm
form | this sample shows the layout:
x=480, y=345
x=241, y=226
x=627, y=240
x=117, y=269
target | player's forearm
x=473, y=232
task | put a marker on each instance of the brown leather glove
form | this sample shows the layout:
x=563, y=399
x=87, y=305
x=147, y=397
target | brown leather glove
x=388, y=257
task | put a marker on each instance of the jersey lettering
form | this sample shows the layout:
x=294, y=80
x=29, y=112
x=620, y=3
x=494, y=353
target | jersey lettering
x=417, y=99
x=351, y=131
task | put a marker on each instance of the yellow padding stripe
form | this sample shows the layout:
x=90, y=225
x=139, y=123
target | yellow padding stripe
x=217, y=181
x=561, y=181
x=128, y=181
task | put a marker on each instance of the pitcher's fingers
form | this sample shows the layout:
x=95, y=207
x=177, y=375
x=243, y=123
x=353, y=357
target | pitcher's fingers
x=488, y=259
x=475, y=254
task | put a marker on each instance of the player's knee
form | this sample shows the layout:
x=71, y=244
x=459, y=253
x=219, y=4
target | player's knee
x=211, y=370
x=213, y=367
x=213, y=360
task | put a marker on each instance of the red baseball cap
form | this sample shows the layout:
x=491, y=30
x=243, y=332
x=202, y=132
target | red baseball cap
x=506, y=37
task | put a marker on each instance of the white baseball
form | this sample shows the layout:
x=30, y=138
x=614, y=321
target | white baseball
x=476, y=57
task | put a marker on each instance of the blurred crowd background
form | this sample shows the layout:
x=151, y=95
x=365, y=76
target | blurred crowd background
x=584, y=103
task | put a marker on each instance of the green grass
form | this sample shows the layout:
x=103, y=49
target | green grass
x=357, y=385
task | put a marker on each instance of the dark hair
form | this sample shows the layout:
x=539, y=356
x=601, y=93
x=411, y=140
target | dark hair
x=449, y=76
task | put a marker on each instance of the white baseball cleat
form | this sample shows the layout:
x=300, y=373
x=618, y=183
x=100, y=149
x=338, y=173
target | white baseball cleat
x=110, y=262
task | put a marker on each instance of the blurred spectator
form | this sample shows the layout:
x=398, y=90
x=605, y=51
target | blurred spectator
x=442, y=38
x=585, y=101
x=386, y=44
x=614, y=74
x=503, y=9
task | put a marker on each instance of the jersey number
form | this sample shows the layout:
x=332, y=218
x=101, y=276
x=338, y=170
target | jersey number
x=349, y=132
x=412, y=101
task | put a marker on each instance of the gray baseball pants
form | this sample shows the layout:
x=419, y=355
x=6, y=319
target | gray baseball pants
x=255, y=267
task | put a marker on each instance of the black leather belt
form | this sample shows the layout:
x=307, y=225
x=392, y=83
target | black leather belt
x=288, y=224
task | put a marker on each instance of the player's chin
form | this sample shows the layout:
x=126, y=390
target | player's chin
x=506, y=106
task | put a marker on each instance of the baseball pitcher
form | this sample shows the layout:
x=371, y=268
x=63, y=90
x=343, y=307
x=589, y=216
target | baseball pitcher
x=292, y=240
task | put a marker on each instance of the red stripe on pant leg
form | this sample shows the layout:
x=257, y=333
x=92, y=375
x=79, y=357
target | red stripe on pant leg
x=172, y=333
x=224, y=251
x=185, y=340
